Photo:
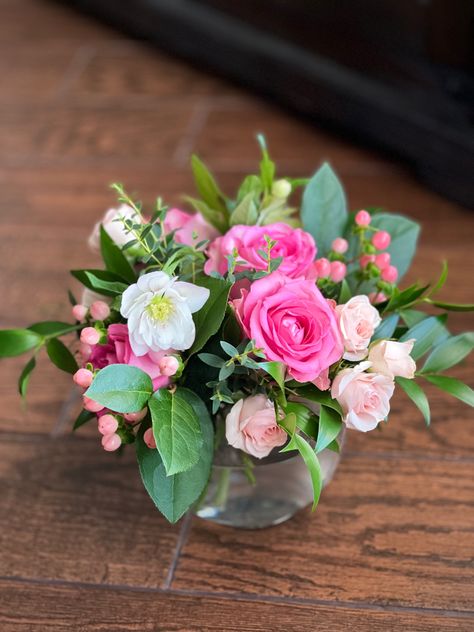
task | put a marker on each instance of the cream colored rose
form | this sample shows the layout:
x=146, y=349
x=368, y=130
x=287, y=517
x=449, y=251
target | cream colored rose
x=364, y=397
x=358, y=320
x=251, y=426
x=392, y=358
x=114, y=226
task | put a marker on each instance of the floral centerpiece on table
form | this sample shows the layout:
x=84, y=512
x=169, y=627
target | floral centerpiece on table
x=250, y=322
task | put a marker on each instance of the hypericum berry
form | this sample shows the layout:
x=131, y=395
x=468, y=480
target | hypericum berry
x=381, y=240
x=83, y=377
x=382, y=260
x=281, y=188
x=390, y=274
x=79, y=312
x=149, y=439
x=90, y=336
x=362, y=218
x=340, y=245
x=168, y=365
x=100, y=310
x=338, y=271
x=90, y=405
x=107, y=424
x=133, y=417
x=377, y=297
x=85, y=351
x=323, y=267
x=366, y=259
x=111, y=442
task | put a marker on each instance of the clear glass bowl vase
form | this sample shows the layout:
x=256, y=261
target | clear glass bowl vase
x=254, y=494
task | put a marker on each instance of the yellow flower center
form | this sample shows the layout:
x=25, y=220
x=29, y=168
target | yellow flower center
x=160, y=308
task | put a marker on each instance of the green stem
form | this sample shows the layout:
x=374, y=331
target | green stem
x=222, y=491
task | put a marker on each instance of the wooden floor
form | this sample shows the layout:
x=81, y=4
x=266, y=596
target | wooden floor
x=82, y=548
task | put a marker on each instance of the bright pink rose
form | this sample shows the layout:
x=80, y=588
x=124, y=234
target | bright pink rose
x=187, y=225
x=251, y=426
x=364, y=397
x=293, y=244
x=118, y=351
x=293, y=323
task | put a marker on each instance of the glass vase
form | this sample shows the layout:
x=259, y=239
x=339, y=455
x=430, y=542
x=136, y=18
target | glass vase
x=252, y=494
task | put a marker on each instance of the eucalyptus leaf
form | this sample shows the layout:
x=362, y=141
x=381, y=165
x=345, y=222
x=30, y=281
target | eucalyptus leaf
x=449, y=352
x=386, y=328
x=426, y=334
x=122, y=388
x=412, y=316
x=14, y=342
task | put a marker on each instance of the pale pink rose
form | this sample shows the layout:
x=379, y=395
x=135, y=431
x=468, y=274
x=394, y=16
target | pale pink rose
x=251, y=426
x=118, y=351
x=114, y=226
x=364, y=397
x=293, y=323
x=358, y=320
x=190, y=229
x=392, y=358
x=294, y=245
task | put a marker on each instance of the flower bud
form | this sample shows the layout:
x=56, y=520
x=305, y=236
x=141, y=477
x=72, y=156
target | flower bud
x=79, y=312
x=111, y=442
x=149, y=439
x=281, y=188
x=107, y=424
x=99, y=310
x=83, y=378
x=90, y=336
x=362, y=218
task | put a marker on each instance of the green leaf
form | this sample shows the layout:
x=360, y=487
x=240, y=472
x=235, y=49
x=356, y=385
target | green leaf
x=211, y=195
x=426, y=333
x=306, y=419
x=345, y=293
x=452, y=307
x=101, y=281
x=267, y=166
x=122, y=388
x=114, y=259
x=453, y=386
x=442, y=279
x=52, y=328
x=449, y=352
x=60, y=356
x=14, y=342
x=209, y=318
x=212, y=360
x=312, y=463
x=405, y=298
x=229, y=349
x=251, y=184
x=173, y=495
x=276, y=370
x=412, y=316
x=323, y=211
x=386, y=328
x=83, y=417
x=176, y=430
x=404, y=233
x=417, y=395
x=245, y=212
x=309, y=391
x=25, y=376
x=330, y=425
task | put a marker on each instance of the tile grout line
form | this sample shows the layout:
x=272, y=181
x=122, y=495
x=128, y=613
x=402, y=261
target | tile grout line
x=182, y=539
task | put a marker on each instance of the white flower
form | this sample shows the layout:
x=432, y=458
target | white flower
x=114, y=226
x=392, y=358
x=158, y=308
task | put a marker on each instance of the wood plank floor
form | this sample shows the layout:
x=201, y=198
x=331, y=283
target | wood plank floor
x=81, y=546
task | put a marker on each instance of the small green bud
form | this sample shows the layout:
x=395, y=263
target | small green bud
x=281, y=188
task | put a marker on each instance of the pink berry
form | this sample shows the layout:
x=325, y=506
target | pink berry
x=83, y=377
x=382, y=260
x=338, y=271
x=340, y=245
x=168, y=365
x=133, y=417
x=362, y=218
x=323, y=267
x=111, y=442
x=365, y=260
x=107, y=424
x=90, y=405
x=376, y=298
x=85, y=351
x=100, y=310
x=381, y=240
x=79, y=312
x=390, y=274
x=149, y=439
x=90, y=336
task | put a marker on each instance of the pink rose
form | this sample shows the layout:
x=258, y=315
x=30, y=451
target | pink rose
x=293, y=323
x=114, y=226
x=295, y=246
x=392, y=358
x=251, y=426
x=358, y=320
x=118, y=351
x=187, y=225
x=364, y=397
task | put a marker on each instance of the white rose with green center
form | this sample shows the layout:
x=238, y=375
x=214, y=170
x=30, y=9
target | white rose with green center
x=159, y=311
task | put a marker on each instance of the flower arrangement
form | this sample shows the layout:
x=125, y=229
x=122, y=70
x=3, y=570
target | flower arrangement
x=250, y=322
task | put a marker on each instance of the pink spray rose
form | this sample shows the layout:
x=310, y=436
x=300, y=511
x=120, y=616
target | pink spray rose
x=358, y=320
x=296, y=246
x=293, y=323
x=364, y=397
x=114, y=226
x=251, y=426
x=392, y=358
x=118, y=351
x=186, y=225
